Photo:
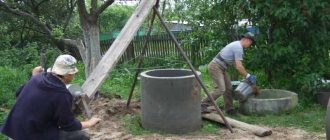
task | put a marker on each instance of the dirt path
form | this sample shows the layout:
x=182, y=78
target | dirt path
x=112, y=127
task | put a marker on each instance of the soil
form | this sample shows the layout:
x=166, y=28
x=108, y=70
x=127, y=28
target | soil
x=111, y=127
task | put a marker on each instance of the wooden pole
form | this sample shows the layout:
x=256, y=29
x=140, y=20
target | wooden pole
x=257, y=130
x=177, y=45
x=118, y=47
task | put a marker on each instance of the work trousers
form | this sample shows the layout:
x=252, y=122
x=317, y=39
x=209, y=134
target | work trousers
x=222, y=85
x=74, y=135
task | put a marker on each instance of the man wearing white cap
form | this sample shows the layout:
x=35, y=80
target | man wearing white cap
x=43, y=108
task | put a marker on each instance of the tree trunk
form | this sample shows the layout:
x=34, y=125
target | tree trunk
x=92, y=45
x=269, y=71
x=89, y=48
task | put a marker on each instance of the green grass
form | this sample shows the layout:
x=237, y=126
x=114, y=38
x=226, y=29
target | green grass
x=311, y=119
x=209, y=127
x=2, y=118
x=132, y=124
x=119, y=83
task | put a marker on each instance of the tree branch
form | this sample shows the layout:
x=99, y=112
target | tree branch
x=93, y=6
x=63, y=43
x=38, y=4
x=104, y=6
x=32, y=29
x=72, y=6
x=83, y=14
x=69, y=42
x=82, y=7
x=26, y=15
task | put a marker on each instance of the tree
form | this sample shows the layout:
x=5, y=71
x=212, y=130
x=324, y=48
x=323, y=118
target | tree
x=24, y=22
x=90, y=50
x=294, y=36
x=51, y=18
x=291, y=48
x=114, y=18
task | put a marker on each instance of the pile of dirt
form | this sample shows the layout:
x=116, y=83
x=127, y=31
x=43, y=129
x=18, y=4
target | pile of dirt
x=111, y=127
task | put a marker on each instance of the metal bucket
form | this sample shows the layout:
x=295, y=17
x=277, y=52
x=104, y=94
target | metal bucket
x=170, y=101
x=243, y=91
x=76, y=92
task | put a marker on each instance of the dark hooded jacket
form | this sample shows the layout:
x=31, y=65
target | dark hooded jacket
x=42, y=109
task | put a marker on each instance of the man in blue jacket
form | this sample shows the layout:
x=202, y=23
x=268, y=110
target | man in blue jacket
x=43, y=107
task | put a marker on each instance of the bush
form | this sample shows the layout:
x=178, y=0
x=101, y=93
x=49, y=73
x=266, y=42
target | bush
x=11, y=79
x=16, y=67
x=29, y=55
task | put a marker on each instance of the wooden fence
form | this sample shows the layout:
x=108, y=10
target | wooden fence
x=159, y=47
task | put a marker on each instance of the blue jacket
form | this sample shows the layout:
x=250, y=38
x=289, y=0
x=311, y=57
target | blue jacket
x=42, y=109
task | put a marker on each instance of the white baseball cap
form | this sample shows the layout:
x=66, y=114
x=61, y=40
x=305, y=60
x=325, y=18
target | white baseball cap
x=65, y=64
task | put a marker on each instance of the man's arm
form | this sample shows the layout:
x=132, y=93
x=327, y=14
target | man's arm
x=240, y=68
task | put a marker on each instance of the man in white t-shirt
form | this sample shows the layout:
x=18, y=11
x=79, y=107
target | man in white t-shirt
x=230, y=55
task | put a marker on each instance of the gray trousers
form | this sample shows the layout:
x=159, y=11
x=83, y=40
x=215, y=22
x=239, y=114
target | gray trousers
x=222, y=85
x=74, y=135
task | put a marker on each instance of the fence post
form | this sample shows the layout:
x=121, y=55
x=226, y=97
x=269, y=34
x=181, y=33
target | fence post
x=130, y=52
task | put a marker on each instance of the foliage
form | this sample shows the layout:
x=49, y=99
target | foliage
x=291, y=50
x=115, y=17
x=291, y=34
x=28, y=56
x=22, y=29
x=11, y=79
x=16, y=67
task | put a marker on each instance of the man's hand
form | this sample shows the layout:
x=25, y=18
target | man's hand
x=37, y=70
x=90, y=122
x=94, y=120
x=251, y=78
